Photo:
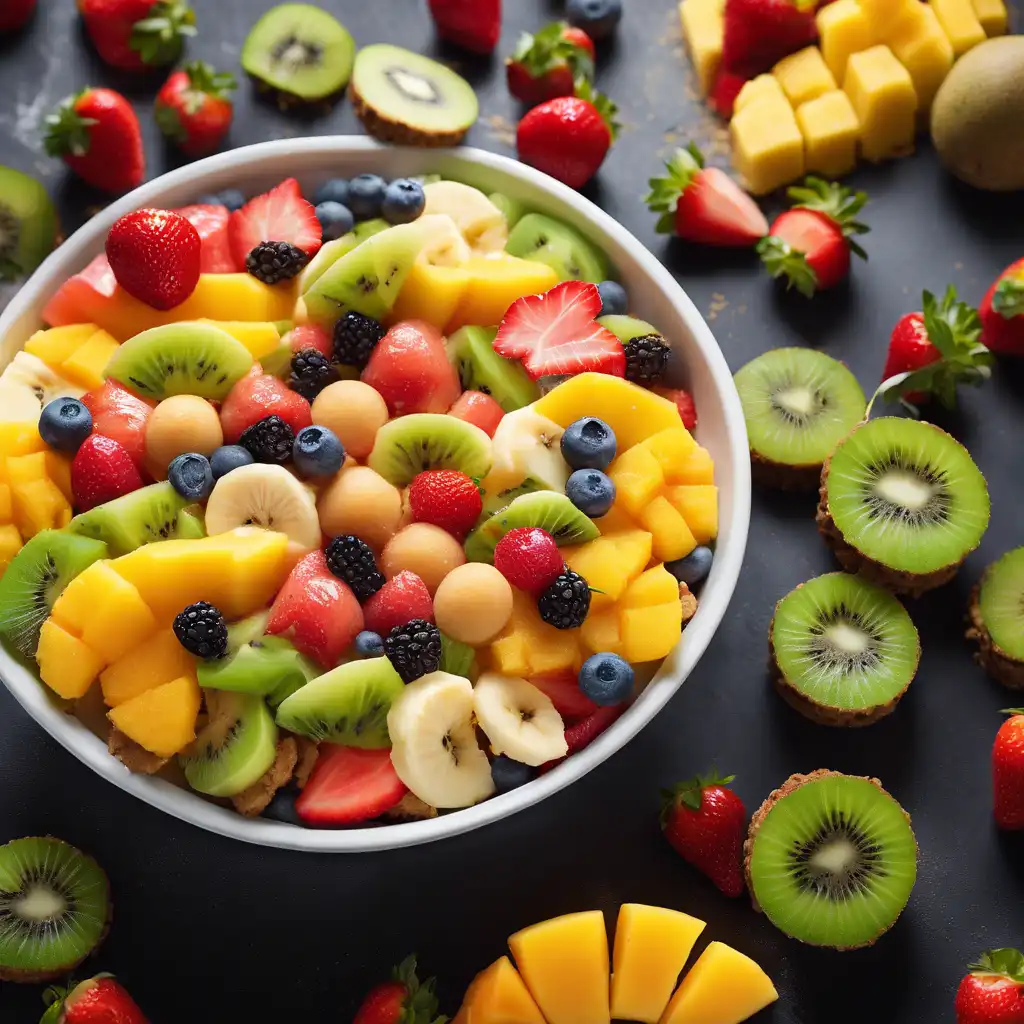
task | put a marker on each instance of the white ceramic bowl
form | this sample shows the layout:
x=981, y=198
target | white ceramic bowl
x=654, y=295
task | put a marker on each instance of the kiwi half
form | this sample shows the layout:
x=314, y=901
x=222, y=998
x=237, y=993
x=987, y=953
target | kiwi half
x=996, y=615
x=902, y=503
x=141, y=517
x=798, y=405
x=480, y=368
x=410, y=444
x=28, y=224
x=564, y=249
x=626, y=328
x=406, y=98
x=54, y=908
x=843, y=651
x=831, y=859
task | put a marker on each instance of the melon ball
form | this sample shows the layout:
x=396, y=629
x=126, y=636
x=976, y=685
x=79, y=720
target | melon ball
x=426, y=550
x=354, y=411
x=473, y=603
x=180, y=424
x=361, y=502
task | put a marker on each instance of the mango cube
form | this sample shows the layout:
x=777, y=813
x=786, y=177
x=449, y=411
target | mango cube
x=601, y=631
x=830, y=128
x=67, y=666
x=37, y=504
x=672, y=448
x=637, y=476
x=923, y=49
x=882, y=94
x=650, y=633
x=759, y=88
x=844, y=29
x=156, y=661
x=655, y=586
x=500, y=996
x=86, y=364
x=10, y=544
x=494, y=284
x=704, y=31
x=960, y=23
x=6, y=504
x=565, y=965
x=529, y=640
x=698, y=505
x=259, y=337
x=615, y=520
x=884, y=15
x=672, y=537
x=699, y=468
x=430, y=293
x=56, y=344
x=161, y=720
x=993, y=16
x=804, y=75
x=608, y=564
x=652, y=945
x=767, y=147
x=509, y=655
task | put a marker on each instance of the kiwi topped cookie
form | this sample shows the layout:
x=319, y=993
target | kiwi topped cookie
x=996, y=615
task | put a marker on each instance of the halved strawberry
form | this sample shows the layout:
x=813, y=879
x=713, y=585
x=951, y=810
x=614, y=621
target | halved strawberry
x=280, y=215
x=349, y=785
x=563, y=689
x=212, y=224
x=556, y=333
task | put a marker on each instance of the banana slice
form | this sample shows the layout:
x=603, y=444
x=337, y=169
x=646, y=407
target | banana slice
x=519, y=720
x=445, y=246
x=481, y=223
x=29, y=374
x=17, y=404
x=434, y=746
x=526, y=449
x=267, y=496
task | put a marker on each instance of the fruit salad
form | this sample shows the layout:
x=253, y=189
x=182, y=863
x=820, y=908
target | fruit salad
x=355, y=507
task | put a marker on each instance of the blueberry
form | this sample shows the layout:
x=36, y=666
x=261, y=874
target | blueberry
x=369, y=644
x=365, y=194
x=191, y=476
x=335, y=190
x=403, y=201
x=210, y=199
x=317, y=452
x=589, y=443
x=228, y=457
x=694, y=568
x=508, y=774
x=606, y=679
x=282, y=807
x=65, y=423
x=232, y=198
x=335, y=219
x=598, y=18
x=614, y=301
x=591, y=491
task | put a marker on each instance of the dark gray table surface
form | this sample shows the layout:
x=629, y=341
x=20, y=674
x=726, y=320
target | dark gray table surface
x=208, y=930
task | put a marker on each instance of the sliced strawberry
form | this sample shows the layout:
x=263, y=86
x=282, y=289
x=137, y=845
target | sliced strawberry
x=256, y=396
x=727, y=87
x=280, y=215
x=556, y=333
x=212, y=224
x=403, y=598
x=349, y=785
x=564, y=691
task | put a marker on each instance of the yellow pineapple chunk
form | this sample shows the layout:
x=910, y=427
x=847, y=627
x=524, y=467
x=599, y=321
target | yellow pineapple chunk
x=767, y=147
x=601, y=631
x=844, y=29
x=56, y=344
x=831, y=130
x=921, y=46
x=759, y=88
x=541, y=646
x=494, y=284
x=6, y=504
x=883, y=97
x=672, y=448
x=259, y=337
x=430, y=293
x=804, y=75
x=58, y=469
x=615, y=520
x=672, y=537
x=509, y=655
x=86, y=364
x=699, y=468
x=10, y=544
x=650, y=633
x=156, y=661
x=37, y=504
x=993, y=16
x=637, y=476
x=960, y=23
x=655, y=586
x=609, y=563
x=704, y=31
x=161, y=720
x=885, y=15
x=698, y=505
x=67, y=666
x=501, y=997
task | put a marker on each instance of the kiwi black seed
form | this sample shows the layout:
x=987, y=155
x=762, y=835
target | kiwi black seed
x=902, y=503
x=54, y=908
x=564, y=249
x=411, y=444
x=480, y=368
x=996, y=617
x=141, y=517
x=843, y=651
x=831, y=859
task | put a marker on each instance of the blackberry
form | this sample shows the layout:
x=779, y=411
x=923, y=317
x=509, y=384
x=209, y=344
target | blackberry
x=202, y=631
x=268, y=440
x=271, y=262
x=311, y=373
x=352, y=560
x=646, y=359
x=355, y=338
x=414, y=649
x=565, y=603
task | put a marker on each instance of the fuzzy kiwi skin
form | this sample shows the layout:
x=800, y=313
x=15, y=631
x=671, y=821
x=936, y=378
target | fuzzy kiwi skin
x=781, y=477
x=288, y=102
x=990, y=656
x=398, y=132
x=793, y=783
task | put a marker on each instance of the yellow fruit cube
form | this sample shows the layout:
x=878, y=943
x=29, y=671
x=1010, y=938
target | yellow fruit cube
x=26, y=469
x=844, y=29
x=698, y=505
x=6, y=504
x=960, y=23
x=615, y=520
x=10, y=544
x=66, y=664
x=722, y=987
x=759, y=88
x=544, y=648
x=38, y=505
x=650, y=633
x=767, y=147
x=831, y=130
x=672, y=448
x=655, y=586
x=565, y=965
x=501, y=997
x=494, y=284
x=19, y=438
x=993, y=16
x=699, y=468
x=637, y=476
x=652, y=945
x=260, y=338
x=601, y=631
x=804, y=75
x=609, y=563
x=884, y=15
x=704, y=31
x=431, y=293
x=156, y=661
x=161, y=720
x=922, y=48
x=56, y=344
x=633, y=412
x=509, y=655
x=86, y=364
x=882, y=93
x=672, y=537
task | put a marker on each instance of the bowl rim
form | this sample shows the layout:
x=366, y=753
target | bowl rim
x=194, y=809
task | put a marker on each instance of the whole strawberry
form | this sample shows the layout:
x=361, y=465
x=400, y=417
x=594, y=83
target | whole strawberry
x=99, y=1000
x=706, y=823
x=446, y=498
x=1008, y=772
x=529, y=558
x=193, y=109
x=993, y=993
x=101, y=471
x=809, y=245
x=1002, y=312
x=472, y=24
x=758, y=33
x=570, y=136
x=548, y=63
x=96, y=133
x=14, y=14
x=403, y=1000
x=137, y=34
x=155, y=256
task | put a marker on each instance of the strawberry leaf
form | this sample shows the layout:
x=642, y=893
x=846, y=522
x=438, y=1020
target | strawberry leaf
x=66, y=131
x=420, y=1003
x=781, y=260
x=1008, y=300
x=691, y=792
x=601, y=103
x=168, y=120
x=837, y=203
x=548, y=49
x=158, y=38
x=683, y=166
x=1008, y=963
x=203, y=78
x=1012, y=711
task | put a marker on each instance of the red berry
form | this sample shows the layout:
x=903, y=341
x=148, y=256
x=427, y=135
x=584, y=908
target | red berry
x=479, y=409
x=446, y=498
x=403, y=598
x=528, y=558
x=349, y=785
x=684, y=403
x=101, y=471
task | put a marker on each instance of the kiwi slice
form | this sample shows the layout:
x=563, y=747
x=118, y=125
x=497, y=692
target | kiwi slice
x=457, y=658
x=180, y=359
x=482, y=369
x=549, y=510
x=267, y=666
x=497, y=500
x=512, y=210
x=34, y=580
x=141, y=517
x=300, y=53
x=626, y=328
x=28, y=224
x=349, y=705
x=54, y=908
x=234, y=748
x=843, y=651
x=410, y=444
x=409, y=99
x=996, y=615
x=190, y=524
x=903, y=503
x=331, y=252
x=831, y=859
x=798, y=405
x=564, y=249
